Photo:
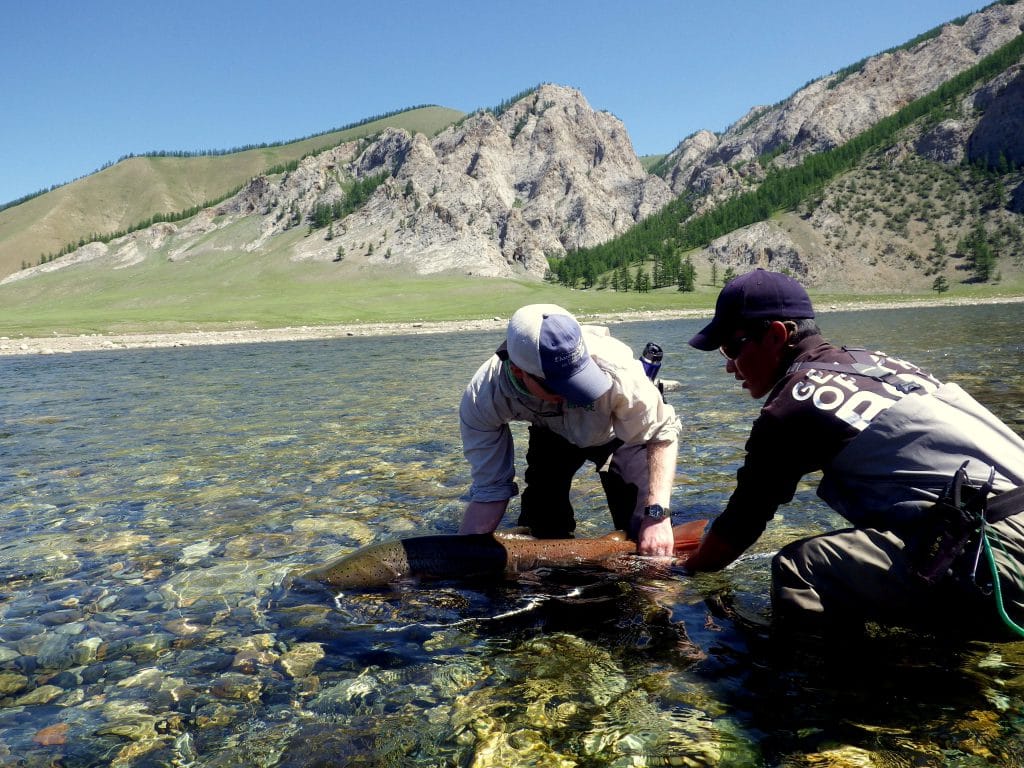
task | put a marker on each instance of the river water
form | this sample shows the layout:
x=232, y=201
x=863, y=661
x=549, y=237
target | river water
x=154, y=505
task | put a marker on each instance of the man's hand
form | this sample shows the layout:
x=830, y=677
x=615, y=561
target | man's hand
x=482, y=516
x=655, y=538
x=713, y=554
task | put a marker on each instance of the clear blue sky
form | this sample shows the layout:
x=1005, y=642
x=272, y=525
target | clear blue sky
x=85, y=82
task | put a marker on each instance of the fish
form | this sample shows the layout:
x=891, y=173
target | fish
x=481, y=555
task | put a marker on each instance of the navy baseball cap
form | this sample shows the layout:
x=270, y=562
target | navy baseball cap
x=547, y=342
x=757, y=295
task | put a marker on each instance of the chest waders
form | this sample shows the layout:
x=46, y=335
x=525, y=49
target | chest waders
x=965, y=514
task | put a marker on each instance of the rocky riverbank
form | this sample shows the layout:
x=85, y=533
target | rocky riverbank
x=57, y=344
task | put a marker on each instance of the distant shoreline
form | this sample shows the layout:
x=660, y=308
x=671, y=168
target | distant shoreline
x=49, y=345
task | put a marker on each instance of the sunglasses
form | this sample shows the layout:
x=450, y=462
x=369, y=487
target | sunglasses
x=732, y=348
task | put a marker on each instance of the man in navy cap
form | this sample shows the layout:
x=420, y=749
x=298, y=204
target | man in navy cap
x=587, y=398
x=891, y=441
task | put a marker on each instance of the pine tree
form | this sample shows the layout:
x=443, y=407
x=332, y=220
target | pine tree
x=624, y=282
x=687, y=276
x=589, y=275
x=979, y=253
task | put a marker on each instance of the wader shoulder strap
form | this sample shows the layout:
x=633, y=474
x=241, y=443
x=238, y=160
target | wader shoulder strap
x=1004, y=505
x=863, y=365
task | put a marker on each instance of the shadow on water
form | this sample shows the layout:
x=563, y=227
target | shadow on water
x=541, y=665
x=597, y=605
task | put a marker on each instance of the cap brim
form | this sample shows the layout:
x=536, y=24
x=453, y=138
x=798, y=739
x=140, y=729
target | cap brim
x=709, y=338
x=583, y=387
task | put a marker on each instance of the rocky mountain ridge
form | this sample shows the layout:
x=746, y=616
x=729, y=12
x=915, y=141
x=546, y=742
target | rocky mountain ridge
x=900, y=221
x=491, y=196
x=831, y=110
x=498, y=194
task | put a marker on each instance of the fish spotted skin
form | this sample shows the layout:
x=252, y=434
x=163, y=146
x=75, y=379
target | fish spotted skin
x=479, y=555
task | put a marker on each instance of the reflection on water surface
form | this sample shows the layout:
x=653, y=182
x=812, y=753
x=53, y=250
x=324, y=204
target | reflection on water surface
x=154, y=503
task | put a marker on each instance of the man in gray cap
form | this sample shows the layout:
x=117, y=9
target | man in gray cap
x=927, y=477
x=586, y=398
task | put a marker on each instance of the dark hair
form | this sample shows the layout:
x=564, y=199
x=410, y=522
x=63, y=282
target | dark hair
x=802, y=328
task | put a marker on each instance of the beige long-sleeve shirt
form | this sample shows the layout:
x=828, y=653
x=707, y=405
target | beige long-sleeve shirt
x=632, y=410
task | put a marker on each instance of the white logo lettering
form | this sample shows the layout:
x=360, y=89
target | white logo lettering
x=840, y=392
x=572, y=357
x=802, y=390
x=847, y=381
x=819, y=377
x=828, y=398
x=861, y=408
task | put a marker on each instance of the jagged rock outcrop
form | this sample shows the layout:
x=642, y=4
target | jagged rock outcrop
x=946, y=143
x=759, y=245
x=496, y=195
x=688, y=157
x=998, y=138
x=849, y=240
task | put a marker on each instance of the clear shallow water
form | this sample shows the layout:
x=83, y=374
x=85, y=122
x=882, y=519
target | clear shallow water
x=154, y=503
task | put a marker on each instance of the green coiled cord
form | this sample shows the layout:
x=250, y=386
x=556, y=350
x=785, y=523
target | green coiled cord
x=997, y=591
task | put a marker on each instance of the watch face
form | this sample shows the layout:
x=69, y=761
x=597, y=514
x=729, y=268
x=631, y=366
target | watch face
x=655, y=511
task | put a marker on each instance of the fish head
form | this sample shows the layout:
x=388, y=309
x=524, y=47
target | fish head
x=376, y=565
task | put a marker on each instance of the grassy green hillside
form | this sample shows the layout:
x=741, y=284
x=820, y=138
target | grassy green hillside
x=230, y=289
x=133, y=190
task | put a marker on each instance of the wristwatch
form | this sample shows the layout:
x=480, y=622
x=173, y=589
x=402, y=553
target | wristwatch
x=656, y=512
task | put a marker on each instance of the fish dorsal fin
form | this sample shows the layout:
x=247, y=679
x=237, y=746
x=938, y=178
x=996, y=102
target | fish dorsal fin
x=522, y=532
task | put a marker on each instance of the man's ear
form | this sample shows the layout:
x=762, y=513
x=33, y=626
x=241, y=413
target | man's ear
x=778, y=332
